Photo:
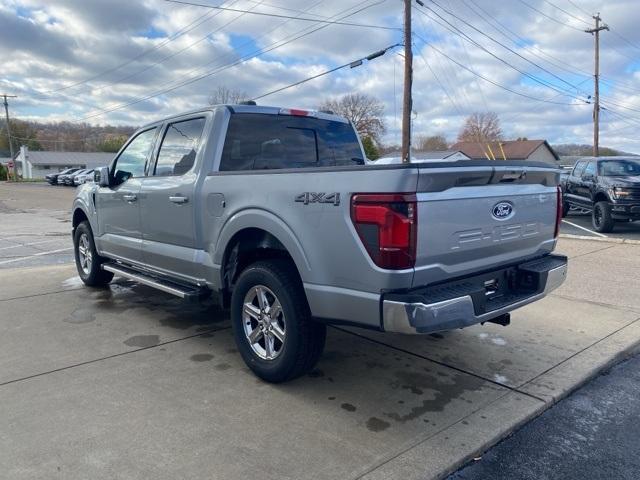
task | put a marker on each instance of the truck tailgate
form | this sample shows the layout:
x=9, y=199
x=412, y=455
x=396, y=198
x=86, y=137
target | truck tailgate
x=474, y=219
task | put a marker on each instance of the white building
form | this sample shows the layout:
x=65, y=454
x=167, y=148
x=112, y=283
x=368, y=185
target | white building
x=422, y=157
x=37, y=164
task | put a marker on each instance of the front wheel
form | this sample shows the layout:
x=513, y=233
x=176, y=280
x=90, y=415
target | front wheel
x=272, y=323
x=88, y=262
x=601, y=218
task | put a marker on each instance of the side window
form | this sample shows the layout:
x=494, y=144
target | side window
x=132, y=160
x=590, y=169
x=577, y=170
x=179, y=147
x=339, y=144
x=263, y=142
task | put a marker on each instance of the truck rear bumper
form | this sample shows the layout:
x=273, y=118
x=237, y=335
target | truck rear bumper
x=477, y=299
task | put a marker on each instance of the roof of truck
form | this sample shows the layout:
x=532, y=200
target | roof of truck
x=264, y=109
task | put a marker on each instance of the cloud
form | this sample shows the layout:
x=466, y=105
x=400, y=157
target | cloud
x=71, y=58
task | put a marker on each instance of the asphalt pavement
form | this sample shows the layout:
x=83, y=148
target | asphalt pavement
x=579, y=223
x=593, y=434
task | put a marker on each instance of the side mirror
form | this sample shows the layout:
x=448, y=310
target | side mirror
x=101, y=176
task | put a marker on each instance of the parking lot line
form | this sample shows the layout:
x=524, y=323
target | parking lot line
x=28, y=244
x=585, y=229
x=18, y=259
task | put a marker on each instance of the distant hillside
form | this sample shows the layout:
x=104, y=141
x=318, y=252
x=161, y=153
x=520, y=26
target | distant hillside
x=574, y=149
x=64, y=136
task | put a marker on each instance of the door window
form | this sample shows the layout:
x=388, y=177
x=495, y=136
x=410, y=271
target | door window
x=132, y=161
x=577, y=170
x=179, y=147
x=590, y=169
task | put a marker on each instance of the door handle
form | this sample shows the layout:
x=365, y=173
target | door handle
x=130, y=197
x=179, y=199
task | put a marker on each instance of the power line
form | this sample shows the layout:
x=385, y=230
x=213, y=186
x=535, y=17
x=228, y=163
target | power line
x=499, y=43
x=489, y=80
x=275, y=15
x=455, y=105
x=241, y=60
x=580, y=8
x=167, y=57
x=549, y=17
x=457, y=31
x=199, y=21
x=567, y=13
x=353, y=64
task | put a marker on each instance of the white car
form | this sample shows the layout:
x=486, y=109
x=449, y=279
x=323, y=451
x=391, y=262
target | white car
x=84, y=177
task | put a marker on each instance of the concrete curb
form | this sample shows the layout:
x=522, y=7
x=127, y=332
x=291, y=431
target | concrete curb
x=627, y=241
x=494, y=422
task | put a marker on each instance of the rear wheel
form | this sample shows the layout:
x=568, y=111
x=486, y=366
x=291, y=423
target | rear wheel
x=88, y=262
x=601, y=218
x=565, y=208
x=272, y=323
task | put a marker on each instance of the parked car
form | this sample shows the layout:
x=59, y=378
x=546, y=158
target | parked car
x=273, y=213
x=52, y=178
x=608, y=187
x=83, y=176
x=63, y=178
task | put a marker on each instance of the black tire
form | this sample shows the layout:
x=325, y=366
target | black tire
x=91, y=273
x=303, y=338
x=601, y=218
x=565, y=208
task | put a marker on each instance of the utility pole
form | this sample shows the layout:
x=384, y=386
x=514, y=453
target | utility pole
x=6, y=114
x=596, y=80
x=408, y=80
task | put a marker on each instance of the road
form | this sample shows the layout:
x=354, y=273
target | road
x=594, y=433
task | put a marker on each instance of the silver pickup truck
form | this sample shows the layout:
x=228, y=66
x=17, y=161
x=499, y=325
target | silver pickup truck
x=274, y=213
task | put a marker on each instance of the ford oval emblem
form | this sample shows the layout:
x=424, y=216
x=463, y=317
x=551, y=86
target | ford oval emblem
x=502, y=210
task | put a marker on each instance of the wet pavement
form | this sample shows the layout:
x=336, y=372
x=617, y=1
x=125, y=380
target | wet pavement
x=129, y=382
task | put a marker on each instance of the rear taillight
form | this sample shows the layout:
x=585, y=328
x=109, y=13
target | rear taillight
x=387, y=224
x=558, y=211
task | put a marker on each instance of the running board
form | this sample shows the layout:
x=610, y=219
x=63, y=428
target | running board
x=185, y=292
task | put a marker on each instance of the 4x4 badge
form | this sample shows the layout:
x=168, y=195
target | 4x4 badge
x=320, y=197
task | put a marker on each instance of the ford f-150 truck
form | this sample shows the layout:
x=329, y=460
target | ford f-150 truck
x=274, y=213
x=607, y=186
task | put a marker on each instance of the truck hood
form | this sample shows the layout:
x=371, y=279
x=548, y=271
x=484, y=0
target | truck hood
x=626, y=181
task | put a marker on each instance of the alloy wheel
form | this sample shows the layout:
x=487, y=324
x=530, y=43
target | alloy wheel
x=84, y=253
x=264, y=323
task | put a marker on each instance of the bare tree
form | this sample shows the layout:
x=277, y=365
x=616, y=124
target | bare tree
x=481, y=127
x=434, y=143
x=363, y=110
x=224, y=95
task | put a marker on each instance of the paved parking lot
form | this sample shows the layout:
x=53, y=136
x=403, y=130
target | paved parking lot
x=36, y=229
x=128, y=382
x=579, y=223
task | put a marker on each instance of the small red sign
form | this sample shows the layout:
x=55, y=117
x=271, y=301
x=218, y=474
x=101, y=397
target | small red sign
x=10, y=164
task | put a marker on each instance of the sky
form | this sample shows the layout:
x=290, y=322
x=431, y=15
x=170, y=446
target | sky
x=134, y=61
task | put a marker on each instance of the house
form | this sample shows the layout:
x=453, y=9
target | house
x=37, y=164
x=421, y=157
x=533, y=150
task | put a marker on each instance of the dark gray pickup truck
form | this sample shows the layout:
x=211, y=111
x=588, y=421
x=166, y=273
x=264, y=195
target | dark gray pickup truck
x=274, y=212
